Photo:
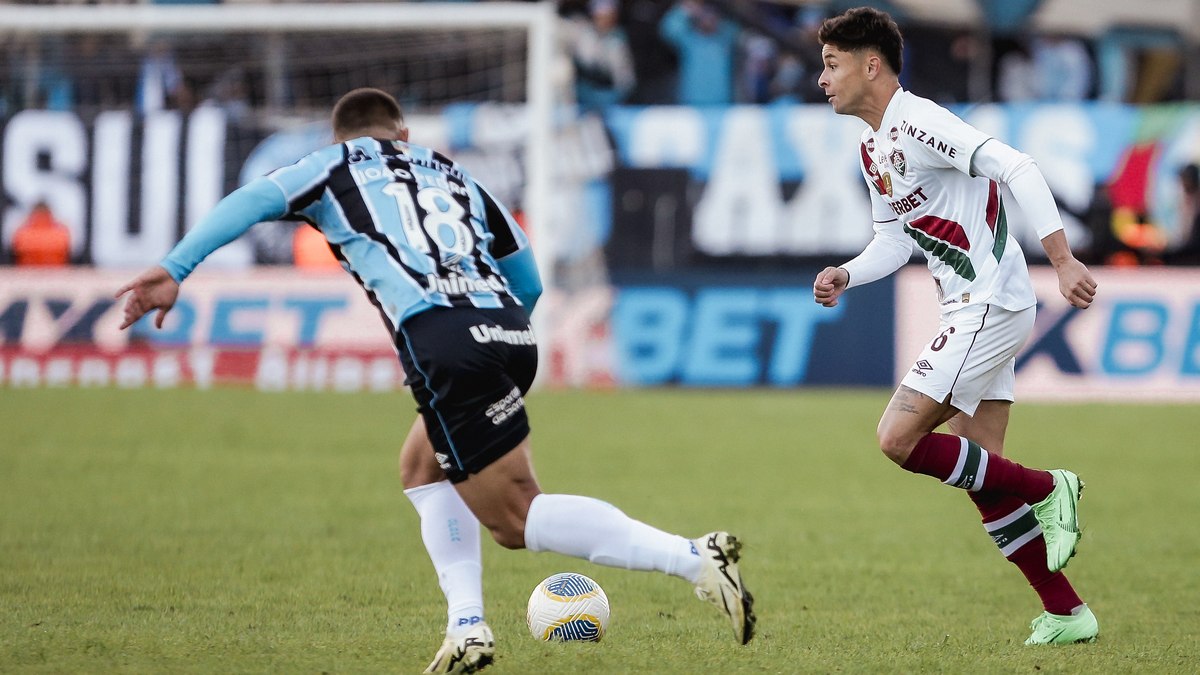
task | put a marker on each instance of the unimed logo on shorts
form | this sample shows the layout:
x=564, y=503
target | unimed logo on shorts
x=484, y=334
x=504, y=408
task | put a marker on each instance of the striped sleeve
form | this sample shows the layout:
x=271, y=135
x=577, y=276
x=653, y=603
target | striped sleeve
x=510, y=248
x=509, y=237
x=303, y=183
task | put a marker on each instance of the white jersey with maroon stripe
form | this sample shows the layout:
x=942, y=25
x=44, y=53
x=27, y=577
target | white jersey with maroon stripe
x=918, y=168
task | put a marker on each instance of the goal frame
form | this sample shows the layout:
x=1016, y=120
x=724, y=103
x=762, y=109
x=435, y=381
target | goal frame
x=538, y=19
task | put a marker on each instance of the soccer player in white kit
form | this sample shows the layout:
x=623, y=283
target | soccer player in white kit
x=941, y=184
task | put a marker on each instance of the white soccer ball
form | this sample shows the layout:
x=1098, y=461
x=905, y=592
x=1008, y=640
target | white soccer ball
x=568, y=606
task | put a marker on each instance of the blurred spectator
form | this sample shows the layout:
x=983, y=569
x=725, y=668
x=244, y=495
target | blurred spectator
x=161, y=85
x=41, y=240
x=1064, y=68
x=310, y=250
x=759, y=64
x=600, y=53
x=1015, y=78
x=797, y=71
x=707, y=45
x=43, y=70
x=761, y=56
x=1049, y=68
x=655, y=62
x=1188, y=250
x=938, y=62
x=230, y=93
x=100, y=65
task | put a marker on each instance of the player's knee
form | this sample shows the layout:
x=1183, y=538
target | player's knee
x=509, y=534
x=416, y=473
x=894, y=446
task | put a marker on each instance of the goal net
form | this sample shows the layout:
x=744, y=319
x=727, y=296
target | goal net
x=160, y=95
x=131, y=121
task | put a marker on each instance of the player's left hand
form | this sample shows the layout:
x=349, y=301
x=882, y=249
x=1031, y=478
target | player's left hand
x=1075, y=283
x=152, y=289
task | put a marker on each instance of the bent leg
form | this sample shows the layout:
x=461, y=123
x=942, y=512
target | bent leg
x=1009, y=521
x=506, y=497
x=909, y=417
x=509, y=502
x=449, y=531
x=955, y=460
x=418, y=465
x=987, y=427
x=500, y=494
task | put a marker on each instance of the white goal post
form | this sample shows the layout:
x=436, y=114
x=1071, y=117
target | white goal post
x=539, y=20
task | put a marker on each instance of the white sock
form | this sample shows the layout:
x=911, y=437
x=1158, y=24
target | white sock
x=451, y=535
x=598, y=531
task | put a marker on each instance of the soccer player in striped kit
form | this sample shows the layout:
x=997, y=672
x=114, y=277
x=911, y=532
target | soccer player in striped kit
x=939, y=183
x=454, y=279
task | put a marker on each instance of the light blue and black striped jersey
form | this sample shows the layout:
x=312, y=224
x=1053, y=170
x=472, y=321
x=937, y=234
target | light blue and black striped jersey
x=412, y=227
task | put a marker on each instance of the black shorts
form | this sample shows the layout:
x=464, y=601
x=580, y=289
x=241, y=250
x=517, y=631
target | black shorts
x=469, y=370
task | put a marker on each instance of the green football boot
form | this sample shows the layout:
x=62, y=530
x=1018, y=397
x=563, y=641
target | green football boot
x=1053, y=629
x=1058, y=514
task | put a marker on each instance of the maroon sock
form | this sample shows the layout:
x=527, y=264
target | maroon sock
x=957, y=461
x=1015, y=531
x=935, y=455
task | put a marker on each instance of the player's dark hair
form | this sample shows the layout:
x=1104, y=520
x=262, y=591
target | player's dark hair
x=364, y=108
x=865, y=28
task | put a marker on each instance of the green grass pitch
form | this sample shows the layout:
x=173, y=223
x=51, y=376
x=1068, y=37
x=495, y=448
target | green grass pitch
x=232, y=531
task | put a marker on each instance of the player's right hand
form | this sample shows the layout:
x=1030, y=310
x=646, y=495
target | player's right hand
x=152, y=289
x=1075, y=283
x=829, y=285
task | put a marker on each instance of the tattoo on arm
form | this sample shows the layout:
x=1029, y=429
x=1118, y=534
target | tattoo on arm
x=902, y=401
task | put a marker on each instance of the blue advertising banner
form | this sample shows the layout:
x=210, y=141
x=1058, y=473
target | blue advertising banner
x=739, y=330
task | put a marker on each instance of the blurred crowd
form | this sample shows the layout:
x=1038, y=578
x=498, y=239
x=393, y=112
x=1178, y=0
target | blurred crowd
x=708, y=52
x=744, y=51
x=643, y=52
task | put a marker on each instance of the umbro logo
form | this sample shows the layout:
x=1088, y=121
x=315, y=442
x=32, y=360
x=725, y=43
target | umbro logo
x=924, y=365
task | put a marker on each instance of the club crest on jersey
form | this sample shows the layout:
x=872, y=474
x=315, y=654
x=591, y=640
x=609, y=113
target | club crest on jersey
x=887, y=182
x=899, y=163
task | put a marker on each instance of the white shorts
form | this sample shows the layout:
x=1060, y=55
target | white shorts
x=972, y=357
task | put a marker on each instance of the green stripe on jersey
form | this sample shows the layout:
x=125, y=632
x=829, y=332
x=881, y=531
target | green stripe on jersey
x=959, y=261
x=1001, y=234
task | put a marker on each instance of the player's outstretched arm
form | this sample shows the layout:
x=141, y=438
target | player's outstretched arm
x=151, y=290
x=1075, y=282
x=829, y=285
x=158, y=287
